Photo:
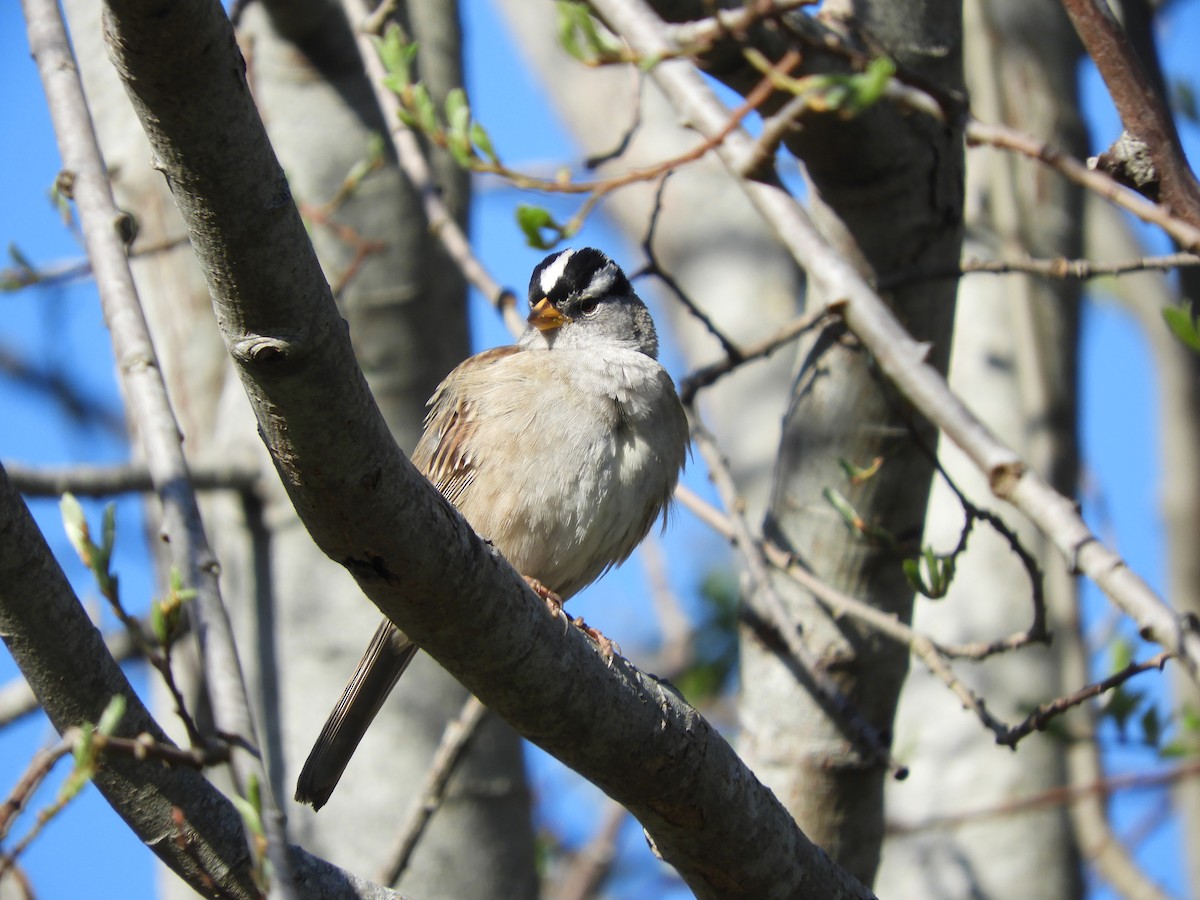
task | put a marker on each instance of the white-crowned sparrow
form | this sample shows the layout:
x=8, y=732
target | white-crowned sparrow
x=562, y=450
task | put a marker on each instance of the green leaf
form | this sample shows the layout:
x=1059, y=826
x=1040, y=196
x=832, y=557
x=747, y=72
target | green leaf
x=84, y=751
x=108, y=532
x=483, y=143
x=76, y=526
x=581, y=36
x=254, y=792
x=111, y=717
x=21, y=260
x=458, y=127
x=250, y=816
x=424, y=109
x=536, y=223
x=569, y=14
x=396, y=53
x=870, y=85
x=458, y=112
x=1120, y=654
x=1183, y=324
x=912, y=572
x=159, y=624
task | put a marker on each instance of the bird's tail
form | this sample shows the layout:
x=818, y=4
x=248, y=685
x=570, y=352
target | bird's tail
x=378, y=671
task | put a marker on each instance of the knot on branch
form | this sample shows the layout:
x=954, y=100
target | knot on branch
x=1003, y=478
x=260, y=350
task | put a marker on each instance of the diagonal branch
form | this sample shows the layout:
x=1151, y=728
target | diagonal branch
x=1143, y=110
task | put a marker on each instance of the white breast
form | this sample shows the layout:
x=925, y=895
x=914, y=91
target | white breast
x=588, y=482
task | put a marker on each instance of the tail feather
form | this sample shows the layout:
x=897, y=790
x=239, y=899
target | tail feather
x=378, y=671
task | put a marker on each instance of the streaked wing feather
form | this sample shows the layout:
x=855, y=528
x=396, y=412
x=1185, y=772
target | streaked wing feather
x=442, y=451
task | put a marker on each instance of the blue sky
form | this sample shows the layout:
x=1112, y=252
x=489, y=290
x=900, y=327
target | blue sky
x=62, y=328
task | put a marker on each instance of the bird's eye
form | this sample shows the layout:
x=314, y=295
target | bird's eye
x=589, y=307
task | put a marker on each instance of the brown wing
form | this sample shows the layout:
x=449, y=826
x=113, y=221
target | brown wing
x=442, y=451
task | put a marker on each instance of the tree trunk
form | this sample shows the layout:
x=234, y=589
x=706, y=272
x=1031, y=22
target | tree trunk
x=1014, y=361
x=887, y=190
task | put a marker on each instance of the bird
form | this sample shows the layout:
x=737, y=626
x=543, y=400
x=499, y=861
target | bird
x=562, y=450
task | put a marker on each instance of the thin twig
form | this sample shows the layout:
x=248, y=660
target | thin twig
x=677, y=651
x=711, y=373
x=432, y=791
x=1058, y=267
x=936, y=657
x=1184, y=233
x=53, y=274
x=35, y=773
x=43, y=762
x=127, y=478
x=17, y=698
x=839, y=604
x=37, y=374
x=1055, y=796
x=700, y=34
x=590, y=866
x=1040, y=717
x=1080, y=268
x=654, y=267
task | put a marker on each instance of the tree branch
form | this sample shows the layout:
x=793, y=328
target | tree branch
x=74, y=677
x=1142, y=108
x=129, y=478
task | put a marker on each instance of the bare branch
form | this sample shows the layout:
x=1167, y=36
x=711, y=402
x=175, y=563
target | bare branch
x=592, y=864
x=369, y=509
x=134, y=477
x=1143, y=110
x=1184, y=233
x=711, y=373
x=873, y=744
x=1054, y=797
x=702, y=33
x=428, y=798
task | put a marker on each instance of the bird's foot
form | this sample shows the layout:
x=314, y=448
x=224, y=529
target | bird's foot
x=553, y=602
x=609, y=649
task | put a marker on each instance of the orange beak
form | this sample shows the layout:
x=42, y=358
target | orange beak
x=544, y=317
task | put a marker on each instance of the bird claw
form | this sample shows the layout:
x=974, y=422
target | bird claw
x=554, y=603
x=609, y=649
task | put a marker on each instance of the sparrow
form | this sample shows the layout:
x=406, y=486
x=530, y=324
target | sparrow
x=562, y=450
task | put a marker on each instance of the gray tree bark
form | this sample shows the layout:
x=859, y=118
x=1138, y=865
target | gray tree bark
x=887, y=190
x=1014, y=360
x=302, y=622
